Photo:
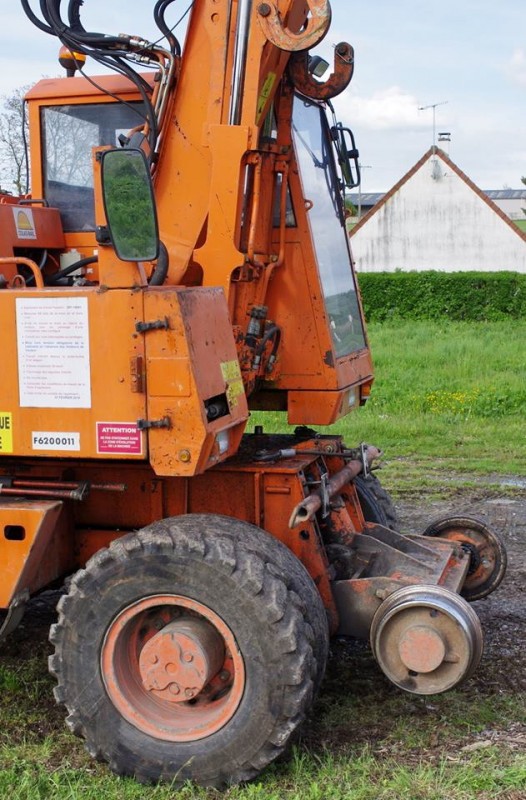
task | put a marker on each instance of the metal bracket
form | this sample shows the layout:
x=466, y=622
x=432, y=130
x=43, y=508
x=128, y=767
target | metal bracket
x=340, y=78
x=156, y=325
x=364, y=459
x=15, y=612
x=146, y=424
x=315, y=28
x=324, y=492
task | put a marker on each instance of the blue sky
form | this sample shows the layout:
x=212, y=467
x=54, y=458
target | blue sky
x=409, y=53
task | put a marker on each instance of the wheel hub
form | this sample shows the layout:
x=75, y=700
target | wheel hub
x=172, y=668
x=487, y=555
x=180, y=660
x=421, y=649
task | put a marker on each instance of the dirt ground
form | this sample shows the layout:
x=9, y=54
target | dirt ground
x=503, y=615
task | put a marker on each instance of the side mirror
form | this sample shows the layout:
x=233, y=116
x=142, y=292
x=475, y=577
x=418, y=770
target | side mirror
x=129, y=205
x=348, y=155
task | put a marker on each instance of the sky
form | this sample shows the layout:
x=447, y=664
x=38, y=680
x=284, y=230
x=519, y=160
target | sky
x=466, y=56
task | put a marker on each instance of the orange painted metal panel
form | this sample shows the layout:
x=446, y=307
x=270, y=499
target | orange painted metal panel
x=198, y=350
x=66, y=376
x=29, y=226
x=33, y=546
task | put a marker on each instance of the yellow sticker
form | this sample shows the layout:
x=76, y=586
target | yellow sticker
x=234, y=391
x=6, y=432
x=230, y=370
x=265, y=93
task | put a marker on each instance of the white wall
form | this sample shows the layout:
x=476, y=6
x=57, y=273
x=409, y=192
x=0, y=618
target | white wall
x=437, y=224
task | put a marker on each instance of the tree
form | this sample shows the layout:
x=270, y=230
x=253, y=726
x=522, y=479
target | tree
x=14, y=127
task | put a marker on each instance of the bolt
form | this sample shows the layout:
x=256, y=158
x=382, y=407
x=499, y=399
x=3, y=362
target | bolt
x=188, y=657
x=341, y=49
x=264, y=9
x=174, y=688
x=224, y=675
x=189, y=693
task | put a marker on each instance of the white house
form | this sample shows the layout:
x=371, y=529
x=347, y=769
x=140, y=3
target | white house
x=436, y=218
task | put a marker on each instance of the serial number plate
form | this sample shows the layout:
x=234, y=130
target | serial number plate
x=55, y=440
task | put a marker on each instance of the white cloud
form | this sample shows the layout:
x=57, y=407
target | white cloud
x=516, y=66
x=386, y=109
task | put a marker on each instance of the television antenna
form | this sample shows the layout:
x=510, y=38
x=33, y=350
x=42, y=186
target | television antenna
x=434, y=107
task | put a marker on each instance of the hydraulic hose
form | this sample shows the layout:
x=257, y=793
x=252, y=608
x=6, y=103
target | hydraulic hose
x=63, y=273
x=161, y=268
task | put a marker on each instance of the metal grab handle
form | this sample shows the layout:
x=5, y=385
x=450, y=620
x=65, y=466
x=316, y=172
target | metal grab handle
x=315, y=29
x=27, y=262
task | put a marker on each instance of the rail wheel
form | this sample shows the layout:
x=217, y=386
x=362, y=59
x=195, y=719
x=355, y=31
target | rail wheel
x=488, y=560
x=180, y=653
x=376, y=502
x=426, y=639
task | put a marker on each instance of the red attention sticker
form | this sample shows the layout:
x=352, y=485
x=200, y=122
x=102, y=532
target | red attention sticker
x=121, y=438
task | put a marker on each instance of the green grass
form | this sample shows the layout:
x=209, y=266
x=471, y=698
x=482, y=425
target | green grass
x=448, y=397
x=364, y=741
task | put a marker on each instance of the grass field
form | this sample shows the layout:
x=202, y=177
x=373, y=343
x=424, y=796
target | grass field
x=448, y=397
x=448, y=403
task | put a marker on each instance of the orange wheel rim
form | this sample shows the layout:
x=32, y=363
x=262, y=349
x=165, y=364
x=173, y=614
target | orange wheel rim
x=172, y=668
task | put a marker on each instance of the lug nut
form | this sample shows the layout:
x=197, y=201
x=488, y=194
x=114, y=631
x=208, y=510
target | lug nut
x=264, y=9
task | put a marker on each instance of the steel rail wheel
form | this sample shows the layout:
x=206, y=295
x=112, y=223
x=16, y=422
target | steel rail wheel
x=183, y=654
x=488, y=559
x=426, y=639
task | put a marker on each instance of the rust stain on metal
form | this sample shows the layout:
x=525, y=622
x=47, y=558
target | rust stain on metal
x=316, y=26
x=339, y=79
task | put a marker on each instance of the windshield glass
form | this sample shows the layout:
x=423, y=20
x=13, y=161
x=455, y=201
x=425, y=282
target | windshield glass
x=69, y=133
x=320, y=185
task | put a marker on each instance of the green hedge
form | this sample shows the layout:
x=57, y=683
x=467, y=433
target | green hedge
x=472, y=296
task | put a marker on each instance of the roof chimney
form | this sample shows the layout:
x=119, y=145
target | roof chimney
x=444, y=141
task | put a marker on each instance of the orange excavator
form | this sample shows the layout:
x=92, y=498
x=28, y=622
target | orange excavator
x=182, y=261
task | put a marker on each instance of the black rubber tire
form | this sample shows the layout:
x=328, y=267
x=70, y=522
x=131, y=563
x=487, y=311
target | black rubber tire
x=376, y=502
x=292, y=573
x=188, y=556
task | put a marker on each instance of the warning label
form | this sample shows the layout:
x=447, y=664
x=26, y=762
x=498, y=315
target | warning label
x=24, y=223
x=119, y=438
x=6, y=432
